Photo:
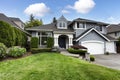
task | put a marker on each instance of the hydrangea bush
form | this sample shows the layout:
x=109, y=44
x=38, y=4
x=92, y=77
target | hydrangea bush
x=17, y=51
x=3, y=49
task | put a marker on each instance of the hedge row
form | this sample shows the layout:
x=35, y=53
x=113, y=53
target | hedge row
x=11, y=36
x=77, y=51
x=50, y=42
x=34, y=42
x=39, y=50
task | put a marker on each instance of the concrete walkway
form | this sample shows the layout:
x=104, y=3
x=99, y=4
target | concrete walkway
x=68, y=54
x=110, y=61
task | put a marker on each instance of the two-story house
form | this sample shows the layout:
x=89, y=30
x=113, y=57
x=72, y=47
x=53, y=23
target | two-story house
x=88, y=33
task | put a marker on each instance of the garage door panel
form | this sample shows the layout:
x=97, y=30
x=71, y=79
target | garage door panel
x=94, y=47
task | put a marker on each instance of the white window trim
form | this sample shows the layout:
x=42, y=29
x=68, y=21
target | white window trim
x=62, y=27
x=80, y=28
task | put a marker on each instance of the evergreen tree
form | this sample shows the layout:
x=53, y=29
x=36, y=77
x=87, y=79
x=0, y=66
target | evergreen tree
x=33, y=22
x=54, y=20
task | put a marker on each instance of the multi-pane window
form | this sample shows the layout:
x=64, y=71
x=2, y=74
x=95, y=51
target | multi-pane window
x=43, y=37
x=80, y=25
x=62, y=24
x=100, y=28
x=117, y=34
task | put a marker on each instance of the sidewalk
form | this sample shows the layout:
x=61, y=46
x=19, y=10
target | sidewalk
x=68, y=54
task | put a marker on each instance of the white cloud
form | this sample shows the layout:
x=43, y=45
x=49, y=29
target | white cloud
x=113, y=20
x=65, y=11
x=38, y=9
x=82, y=6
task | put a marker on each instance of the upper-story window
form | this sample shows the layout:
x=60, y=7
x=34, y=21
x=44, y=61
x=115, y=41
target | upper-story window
x=100, y=28
x=80, y=25
x=117, y=34
x=62, y=24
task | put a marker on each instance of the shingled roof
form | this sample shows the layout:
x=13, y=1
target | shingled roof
x=15, y=19
x=88, y=21
x=10, y=20
x=49, y=27
x=113, y=28
x=6, y=19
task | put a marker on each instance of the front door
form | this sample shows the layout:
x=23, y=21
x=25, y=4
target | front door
x=62, y=41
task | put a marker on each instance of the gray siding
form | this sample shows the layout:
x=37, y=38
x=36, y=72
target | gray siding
x=96, y=26
x=91, y=26
x=88, y=26
x=92, y=36
x=79, y=31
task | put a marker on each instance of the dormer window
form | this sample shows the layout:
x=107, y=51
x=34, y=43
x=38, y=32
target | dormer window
x=80, y=25
x=60, y=24
x=63, y=24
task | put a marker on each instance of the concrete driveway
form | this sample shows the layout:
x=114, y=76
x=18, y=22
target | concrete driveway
x=111, y=61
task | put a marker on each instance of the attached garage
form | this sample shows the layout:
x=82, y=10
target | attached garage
x=95, y=42
x=94, y=47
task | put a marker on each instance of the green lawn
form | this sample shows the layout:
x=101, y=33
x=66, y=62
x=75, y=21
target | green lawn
x=50, y=66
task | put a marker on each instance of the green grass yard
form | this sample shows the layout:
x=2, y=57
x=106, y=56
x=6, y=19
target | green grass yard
x=51, y=66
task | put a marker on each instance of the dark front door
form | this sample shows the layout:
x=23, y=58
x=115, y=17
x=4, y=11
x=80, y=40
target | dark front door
x=62, y=41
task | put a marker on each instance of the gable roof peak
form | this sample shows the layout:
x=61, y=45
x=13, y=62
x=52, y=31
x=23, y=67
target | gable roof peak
x=62, y=18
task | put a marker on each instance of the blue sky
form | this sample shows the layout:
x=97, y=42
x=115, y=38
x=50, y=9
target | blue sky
x=99, y=10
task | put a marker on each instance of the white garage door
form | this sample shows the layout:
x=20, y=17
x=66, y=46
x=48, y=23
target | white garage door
x=94, y=47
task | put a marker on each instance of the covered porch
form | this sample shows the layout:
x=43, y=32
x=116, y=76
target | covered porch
x=63, y=40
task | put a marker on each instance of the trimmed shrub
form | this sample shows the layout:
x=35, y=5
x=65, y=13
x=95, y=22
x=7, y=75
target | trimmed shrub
x=50, y=42
x=77, y=51
x=39, y=50
x=34, y=42
x=11, y=36
x=16, y=51
x=20, y=38
x=3, y=49
x=7, y=35
x=92, y=58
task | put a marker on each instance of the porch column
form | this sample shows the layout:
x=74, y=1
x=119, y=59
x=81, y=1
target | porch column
x=40, y=37
x=70, y=36
x=70, y=41
x=56, y=36
x=56, y=41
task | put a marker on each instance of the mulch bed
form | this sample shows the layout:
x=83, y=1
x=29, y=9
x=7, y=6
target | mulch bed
x=12, y=58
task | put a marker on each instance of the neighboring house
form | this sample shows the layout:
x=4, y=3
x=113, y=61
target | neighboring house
x=88, y=33
x=113, y=30
x=18, y=22
x=14, y=22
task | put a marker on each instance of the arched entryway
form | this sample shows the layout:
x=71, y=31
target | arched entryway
x=63, y=41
